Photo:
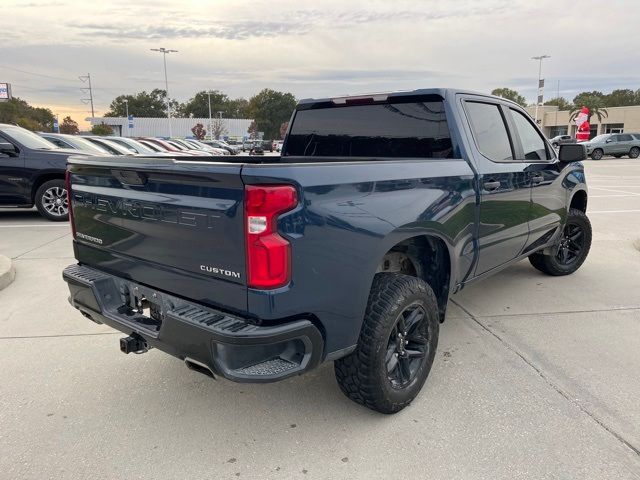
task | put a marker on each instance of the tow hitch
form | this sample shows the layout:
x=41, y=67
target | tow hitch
x=134, y=343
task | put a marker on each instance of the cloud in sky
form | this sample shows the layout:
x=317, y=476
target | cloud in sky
x=314, y=48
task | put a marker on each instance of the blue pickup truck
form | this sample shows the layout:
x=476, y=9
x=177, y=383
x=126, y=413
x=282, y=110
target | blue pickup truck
x=345, y=248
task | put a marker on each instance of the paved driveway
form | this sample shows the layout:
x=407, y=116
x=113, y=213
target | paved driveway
x=536, y=377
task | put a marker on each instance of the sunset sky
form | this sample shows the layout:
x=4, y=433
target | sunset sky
x=313, y=48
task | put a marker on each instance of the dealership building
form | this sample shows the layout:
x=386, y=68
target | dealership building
x=234, y=128
x=557, y=122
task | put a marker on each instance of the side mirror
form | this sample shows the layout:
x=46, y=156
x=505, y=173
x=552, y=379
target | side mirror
x=572, y=152
x=8, y=148
x=608, y=140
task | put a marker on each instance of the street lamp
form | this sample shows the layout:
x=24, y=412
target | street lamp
x=210, y=124
x=126, y=105
x=540, y=82
x=164, y=52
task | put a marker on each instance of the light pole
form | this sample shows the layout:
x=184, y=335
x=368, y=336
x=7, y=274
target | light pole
x=164, y=52
x=540, y=82
x=126, y=105
x=210, y=124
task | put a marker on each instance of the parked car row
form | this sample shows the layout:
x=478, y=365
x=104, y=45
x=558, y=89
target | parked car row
x=112, y=145
x=32, y=166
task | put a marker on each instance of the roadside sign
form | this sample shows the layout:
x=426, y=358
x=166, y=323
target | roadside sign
x=5, y=92
x=56, y=125
x=130, y=121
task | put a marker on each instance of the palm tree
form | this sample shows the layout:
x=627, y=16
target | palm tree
x=594, y=109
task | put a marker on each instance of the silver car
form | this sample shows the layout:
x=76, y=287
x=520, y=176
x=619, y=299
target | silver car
x=616, y=144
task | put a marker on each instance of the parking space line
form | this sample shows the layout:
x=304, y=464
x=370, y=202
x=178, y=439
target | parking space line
x=609, y=196
x=616, y=191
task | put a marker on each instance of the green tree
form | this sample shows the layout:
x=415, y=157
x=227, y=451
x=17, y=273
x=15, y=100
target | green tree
x=594, y=101
x=510, y=95
x=143, y=104
x=69, y=126
x=198, y=106
x=269, y=109
x=18, y=111
x=238, y=108
x=561, y=103
x=102, y=130
x=622, y=98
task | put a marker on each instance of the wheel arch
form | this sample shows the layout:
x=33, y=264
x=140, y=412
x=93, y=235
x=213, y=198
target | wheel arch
x=43, y=179
x=579, y=200
x=426, y=256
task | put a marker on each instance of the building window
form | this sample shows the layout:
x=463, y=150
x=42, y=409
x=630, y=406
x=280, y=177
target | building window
x=614, y=128
x=555, y=131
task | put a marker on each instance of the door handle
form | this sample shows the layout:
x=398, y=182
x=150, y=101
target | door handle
x=491, y=185
x=536, y=179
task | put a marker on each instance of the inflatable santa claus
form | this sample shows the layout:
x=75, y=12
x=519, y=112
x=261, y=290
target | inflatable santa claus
x=582, y=122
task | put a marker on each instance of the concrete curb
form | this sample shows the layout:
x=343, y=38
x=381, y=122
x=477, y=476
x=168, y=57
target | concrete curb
x=7, y=272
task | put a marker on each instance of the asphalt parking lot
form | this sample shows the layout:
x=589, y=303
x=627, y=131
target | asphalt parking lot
x=536, y=377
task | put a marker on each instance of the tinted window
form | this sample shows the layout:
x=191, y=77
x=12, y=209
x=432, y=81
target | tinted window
x=489, y=131
x=394, y=130
x=27, y=138
x=58, y=142
x=624, y=138
x=531, y=140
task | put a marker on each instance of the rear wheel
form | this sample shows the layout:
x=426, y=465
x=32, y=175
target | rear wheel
x=597, y=154
x=571, y=251
x=634, y=152
x=397, y=345
x=52, y=201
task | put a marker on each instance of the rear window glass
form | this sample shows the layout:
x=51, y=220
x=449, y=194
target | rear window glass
x=489, y=131
x=417, y=130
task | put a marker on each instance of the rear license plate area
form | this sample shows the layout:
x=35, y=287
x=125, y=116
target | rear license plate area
x=142, y=306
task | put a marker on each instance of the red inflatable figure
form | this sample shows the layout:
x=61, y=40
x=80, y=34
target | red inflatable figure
x=582, y=122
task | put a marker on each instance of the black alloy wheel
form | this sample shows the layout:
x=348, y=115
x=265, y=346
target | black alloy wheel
x=407, y=347
x=571, y=244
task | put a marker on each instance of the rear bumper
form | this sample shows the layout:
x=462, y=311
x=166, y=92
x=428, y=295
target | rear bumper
x=224, y=344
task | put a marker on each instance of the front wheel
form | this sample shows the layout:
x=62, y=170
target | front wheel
x=597, y=154
x=52, y=202
x=397, y=345
x=634, y=152
x=571, y=251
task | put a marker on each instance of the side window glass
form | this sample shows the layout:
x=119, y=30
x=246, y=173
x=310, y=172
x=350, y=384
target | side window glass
x=532, y=142
x=624, y=138
x=489, y=131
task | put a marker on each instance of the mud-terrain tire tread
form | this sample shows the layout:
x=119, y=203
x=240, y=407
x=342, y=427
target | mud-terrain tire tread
x=357, y=374
x=547, y=264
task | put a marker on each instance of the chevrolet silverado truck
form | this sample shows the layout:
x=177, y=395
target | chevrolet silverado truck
x=345, y=248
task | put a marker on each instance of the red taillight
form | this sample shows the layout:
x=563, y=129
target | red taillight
x=268, y=254
x=67, y=184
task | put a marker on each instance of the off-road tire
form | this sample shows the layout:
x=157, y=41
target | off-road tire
x=550, y=264
x=597, y=154
x=634, y=152
x=362, y=375
x=41, y=201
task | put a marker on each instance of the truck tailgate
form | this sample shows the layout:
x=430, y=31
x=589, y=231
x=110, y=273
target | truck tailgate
x=171, y=224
